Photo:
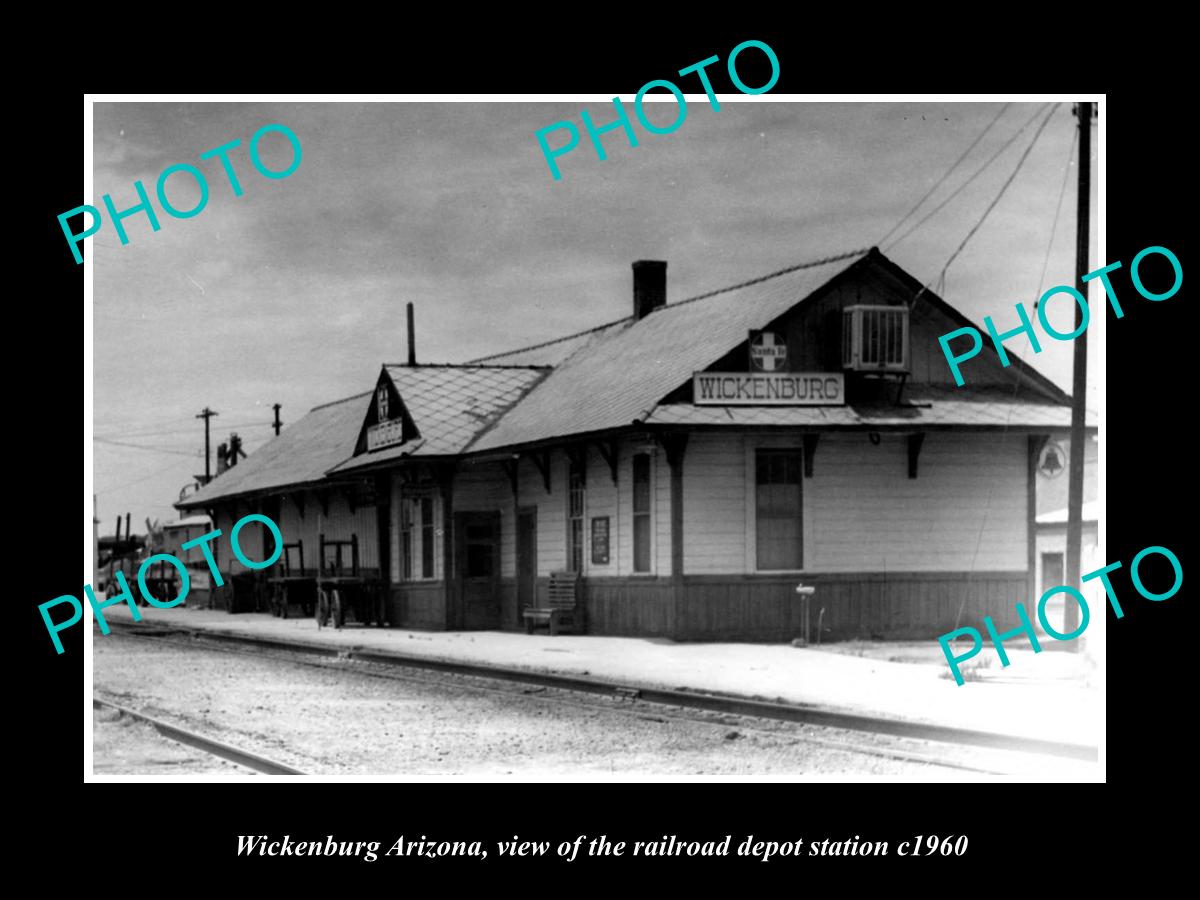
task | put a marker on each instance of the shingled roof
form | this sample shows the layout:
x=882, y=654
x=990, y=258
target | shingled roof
x=618, y=377
x=299, y=455
x=450, y=405
x=615, y=376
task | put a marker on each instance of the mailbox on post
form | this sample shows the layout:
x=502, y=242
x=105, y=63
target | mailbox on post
x=806, y=591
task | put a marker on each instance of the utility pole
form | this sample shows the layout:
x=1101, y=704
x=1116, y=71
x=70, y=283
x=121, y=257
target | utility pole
x=206, y=414
x=278, y=424
x=1079, y=381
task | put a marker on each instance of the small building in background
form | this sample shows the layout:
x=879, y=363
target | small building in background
x=174, y=536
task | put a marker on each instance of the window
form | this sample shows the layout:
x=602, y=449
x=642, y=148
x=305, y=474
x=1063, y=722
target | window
x=641, y=513
x=875, y=338
x=576, y=486
x=382, y=402
x=778, y=483
x=406, y=539
x=426, y=537
x=417, y=538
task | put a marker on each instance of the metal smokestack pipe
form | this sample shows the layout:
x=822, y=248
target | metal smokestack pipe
x=412, y=338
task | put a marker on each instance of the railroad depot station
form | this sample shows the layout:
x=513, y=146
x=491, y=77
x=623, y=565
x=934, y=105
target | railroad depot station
x=688, y=465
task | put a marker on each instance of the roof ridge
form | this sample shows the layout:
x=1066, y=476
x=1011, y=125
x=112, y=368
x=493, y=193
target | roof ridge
x=733, y=287
x=466, y=365
x=343, y=400
x=761, y=278
x=557, y=340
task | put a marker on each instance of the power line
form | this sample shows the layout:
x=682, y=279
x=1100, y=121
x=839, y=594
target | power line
x=133, y=446
x=154, y=474
x=1018, y=378
x=1062, y=191
x=182, y=430
x=1004, y=187
x=947, y=174
x=975, y=175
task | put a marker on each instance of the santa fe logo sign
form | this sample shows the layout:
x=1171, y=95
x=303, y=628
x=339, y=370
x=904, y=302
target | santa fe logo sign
x=767, y=352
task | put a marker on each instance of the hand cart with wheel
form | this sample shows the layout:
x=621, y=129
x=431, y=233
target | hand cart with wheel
x=295, y=585
x=341, y=585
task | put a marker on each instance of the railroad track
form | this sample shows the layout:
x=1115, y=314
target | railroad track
x=200, y=742
x=683, y=702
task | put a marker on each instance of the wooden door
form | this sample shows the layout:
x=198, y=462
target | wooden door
x=478, y=565
x=526, y=559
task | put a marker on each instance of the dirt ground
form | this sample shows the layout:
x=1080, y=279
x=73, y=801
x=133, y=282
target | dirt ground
x=333, y=719
x=122, y=745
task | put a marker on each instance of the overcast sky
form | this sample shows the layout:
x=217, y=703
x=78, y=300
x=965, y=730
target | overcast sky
x=294, y=292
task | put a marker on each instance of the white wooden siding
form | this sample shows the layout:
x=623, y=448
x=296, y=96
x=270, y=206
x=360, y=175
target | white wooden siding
x=862, y=513
x=964, y=510
x=602, y=500
x=294, y=528
x=714, y=505
x=340, y=524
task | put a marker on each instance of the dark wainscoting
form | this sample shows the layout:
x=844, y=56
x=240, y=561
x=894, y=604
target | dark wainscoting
x=915, y=606
x=642, y=607
x=878, y=606
x=418, y=605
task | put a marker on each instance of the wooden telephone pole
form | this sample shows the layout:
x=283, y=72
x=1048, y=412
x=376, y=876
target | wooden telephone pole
x=1079, y=381
x=206, y=414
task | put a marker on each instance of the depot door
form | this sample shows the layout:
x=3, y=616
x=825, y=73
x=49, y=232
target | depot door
x=526, y=559
x=478, y=563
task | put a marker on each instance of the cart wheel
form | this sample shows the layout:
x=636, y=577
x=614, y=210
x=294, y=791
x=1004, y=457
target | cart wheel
x=322, y=608
x=337, y=610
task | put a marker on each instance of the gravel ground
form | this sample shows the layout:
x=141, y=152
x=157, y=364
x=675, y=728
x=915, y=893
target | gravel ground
x=124, y=746
x=351, y=718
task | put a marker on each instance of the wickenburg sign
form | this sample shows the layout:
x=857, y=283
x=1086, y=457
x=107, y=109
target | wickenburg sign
x=768, y=389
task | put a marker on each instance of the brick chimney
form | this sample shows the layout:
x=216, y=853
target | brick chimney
x=649, y=286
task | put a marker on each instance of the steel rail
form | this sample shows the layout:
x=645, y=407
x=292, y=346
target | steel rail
x=722, y=703
x=200, y=742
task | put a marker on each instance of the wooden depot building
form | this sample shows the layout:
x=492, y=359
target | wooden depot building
x=693, y=462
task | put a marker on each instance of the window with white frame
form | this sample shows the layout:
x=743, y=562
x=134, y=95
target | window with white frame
x=576, y=492
x=641, y=512
x=418, y=550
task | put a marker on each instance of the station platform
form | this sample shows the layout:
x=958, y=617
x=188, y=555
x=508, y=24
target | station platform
x=1042, y=696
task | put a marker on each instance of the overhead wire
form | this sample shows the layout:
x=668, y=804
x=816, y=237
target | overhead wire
x=184, y=430
x=134, y=446
x=991, y=159
x=1000, y=193
x=136, y=481
x=947, y=174
x=1037, y=293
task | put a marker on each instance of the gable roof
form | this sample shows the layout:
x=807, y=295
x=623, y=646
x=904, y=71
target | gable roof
x=618, y=376
x=614, y=376
x=450, y=405
x=300, y=454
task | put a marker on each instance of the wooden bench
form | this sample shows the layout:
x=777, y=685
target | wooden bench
x=563, y=609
